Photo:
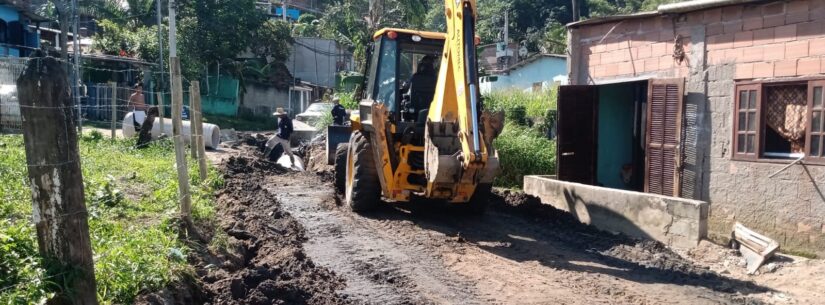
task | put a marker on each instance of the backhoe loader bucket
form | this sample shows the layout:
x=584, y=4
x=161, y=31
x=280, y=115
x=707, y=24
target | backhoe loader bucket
x=336, y=134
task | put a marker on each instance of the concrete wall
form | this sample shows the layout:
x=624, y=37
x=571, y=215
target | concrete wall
x=263, y=100
x=679, y=223
x=759, y=41
x=542, y=70
x=317, y=61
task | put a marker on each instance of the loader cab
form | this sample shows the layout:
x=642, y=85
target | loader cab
x=398, y=76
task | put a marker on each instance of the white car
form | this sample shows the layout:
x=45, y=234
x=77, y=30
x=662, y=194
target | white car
x=314, y=113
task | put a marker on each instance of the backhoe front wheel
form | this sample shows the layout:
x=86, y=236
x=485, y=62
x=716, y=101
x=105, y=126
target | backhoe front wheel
x=363, y=190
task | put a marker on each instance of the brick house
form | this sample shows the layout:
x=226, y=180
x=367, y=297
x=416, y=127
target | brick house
x=715, y=100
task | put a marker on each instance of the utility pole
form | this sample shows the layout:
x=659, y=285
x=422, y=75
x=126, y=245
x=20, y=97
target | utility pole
x=575, y=10
x=76, y=47
x=160, y=56
x=507, y=28
x=283, y=9
x=177, y=124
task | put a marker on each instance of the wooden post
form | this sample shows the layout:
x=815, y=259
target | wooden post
x=59, y=209
x=161, y=112
x=197, y=127
x=177, y=111
x=193, y=133
x=114, y=109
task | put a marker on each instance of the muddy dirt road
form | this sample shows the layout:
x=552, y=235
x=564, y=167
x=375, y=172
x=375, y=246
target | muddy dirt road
x=295, y=244
x=520, y=252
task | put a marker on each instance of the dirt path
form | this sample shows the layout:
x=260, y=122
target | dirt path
x=524, y=254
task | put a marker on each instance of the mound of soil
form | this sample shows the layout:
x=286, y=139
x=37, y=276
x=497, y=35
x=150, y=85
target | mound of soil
x=264, y=262
x=620, y=249
x=244, y=165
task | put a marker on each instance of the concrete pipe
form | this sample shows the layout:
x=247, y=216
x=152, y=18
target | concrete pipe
x=211, y=132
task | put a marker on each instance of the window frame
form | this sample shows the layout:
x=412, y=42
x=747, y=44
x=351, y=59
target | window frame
x=758, y=133
x=808, y=129
x=758, y=156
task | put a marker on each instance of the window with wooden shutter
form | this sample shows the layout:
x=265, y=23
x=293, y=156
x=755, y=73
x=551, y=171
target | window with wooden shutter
x=746, y=121
x=664, y=128
x=816, y=129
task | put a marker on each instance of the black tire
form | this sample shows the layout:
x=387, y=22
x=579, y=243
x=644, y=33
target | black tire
x=341, y=153
x=479, y=201
x=363, y=190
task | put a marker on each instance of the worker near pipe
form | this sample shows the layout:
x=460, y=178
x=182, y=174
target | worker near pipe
x=282, y=137
x=339, y=113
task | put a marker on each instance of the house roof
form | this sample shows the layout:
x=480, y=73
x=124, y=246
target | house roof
x=529, y=60
x=665, y=9
x=23, y=8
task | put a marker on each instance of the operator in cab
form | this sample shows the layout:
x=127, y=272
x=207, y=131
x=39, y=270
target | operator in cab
x=339, y=113
x=422, y=84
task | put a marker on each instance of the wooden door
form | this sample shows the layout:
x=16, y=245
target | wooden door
x=576, y=151
x=664, y=137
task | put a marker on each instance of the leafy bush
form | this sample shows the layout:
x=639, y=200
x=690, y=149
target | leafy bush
x=519, y=104
x=523, y=151
x=348, y=100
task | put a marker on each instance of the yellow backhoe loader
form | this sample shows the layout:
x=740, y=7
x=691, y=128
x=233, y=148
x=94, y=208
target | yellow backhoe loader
x=421, y=130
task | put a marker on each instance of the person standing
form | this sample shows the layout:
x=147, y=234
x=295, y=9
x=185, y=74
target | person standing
x=137, y=105
x=283, y=135
x=339, y=113
x=137, y=102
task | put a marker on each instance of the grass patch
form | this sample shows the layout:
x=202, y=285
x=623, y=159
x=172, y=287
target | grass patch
x=131, y=196
x=519, y=106
x=523, y=146
x=523, y=151
x=242, y=123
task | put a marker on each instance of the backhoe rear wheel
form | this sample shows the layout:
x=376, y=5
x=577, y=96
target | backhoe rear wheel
x=341, y=153
x=363, y=190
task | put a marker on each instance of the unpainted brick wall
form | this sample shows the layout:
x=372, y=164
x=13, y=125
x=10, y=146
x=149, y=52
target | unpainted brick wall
x=762, y=41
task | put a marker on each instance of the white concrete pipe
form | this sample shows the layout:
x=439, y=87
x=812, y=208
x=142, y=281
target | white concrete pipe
x=211, y=132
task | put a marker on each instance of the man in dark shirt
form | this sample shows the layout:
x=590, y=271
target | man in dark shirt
x=339, y=113
x=422, y=84
x=282, y=137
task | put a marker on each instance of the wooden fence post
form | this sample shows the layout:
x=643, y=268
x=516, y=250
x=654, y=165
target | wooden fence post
x=114, y=109
x=193, y=133
x=197, y=127
x=177, y=131
x=162, y=112
x=59, y=208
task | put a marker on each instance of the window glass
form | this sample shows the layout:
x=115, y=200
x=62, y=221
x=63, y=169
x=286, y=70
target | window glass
x=817, y=96
x=387, y=81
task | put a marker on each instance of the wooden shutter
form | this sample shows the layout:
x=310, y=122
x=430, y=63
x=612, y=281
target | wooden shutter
x=816, y=117
x=747, y=121
x=577, y=134
x=664, y=130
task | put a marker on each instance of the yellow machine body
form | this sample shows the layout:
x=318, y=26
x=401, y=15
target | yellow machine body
x=445, y=150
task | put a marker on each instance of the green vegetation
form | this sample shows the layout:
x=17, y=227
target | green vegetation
x=523, y=151
x=348, y=100
x=244, y=123
x=131, y=196
x=523, y=147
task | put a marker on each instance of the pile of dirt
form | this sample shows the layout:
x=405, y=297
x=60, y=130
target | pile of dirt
x=622, y=250
x=263, y=261
x=242, y=165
